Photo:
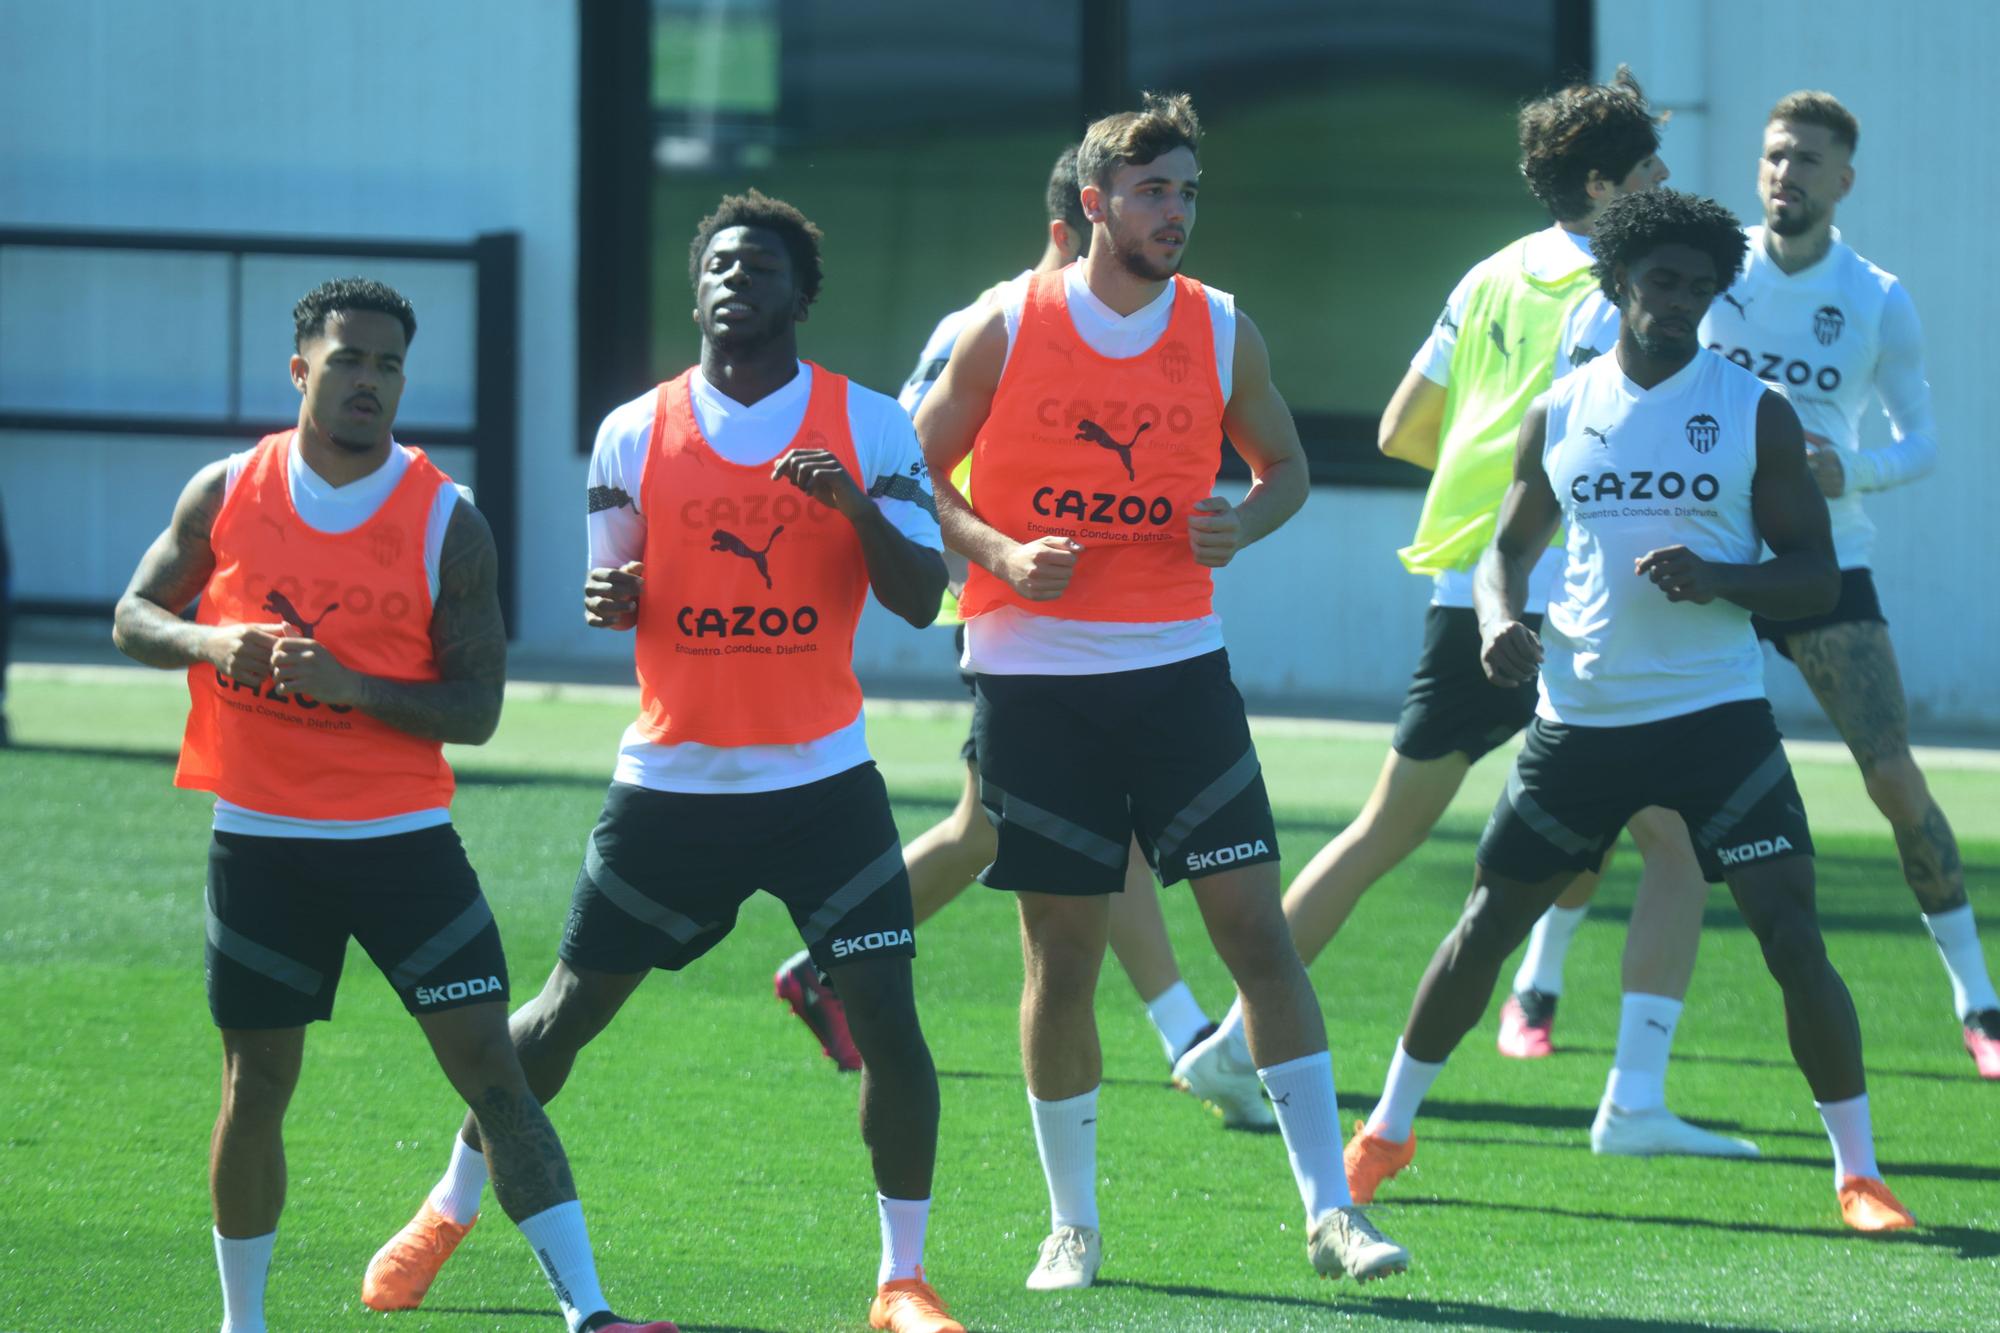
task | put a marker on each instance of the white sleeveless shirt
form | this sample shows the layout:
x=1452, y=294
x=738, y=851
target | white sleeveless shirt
x=1634, y=470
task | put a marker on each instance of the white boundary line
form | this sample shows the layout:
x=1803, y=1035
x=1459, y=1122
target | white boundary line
x=1937, y=757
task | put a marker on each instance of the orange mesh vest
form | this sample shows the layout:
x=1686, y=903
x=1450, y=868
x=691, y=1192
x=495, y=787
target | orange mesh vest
x=753, y=588
x=366, y=596
x=1111, y=452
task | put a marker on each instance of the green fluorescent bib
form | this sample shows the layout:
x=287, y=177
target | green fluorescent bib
x=1504, y=356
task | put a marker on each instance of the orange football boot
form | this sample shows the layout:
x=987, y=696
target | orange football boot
x=402, y=1271
x=1867, y=1205
x=910, y=1305
x=1372, y=1159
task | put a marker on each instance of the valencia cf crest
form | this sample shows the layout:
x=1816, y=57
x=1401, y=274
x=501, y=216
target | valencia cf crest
x=1176, y=361
x=1703, y=431
x=1827, y=324
x=386, y=545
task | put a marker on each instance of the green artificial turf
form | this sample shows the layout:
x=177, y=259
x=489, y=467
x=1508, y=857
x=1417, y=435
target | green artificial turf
x=717, y=1152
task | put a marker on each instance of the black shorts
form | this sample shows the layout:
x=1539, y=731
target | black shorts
x=1857, y=603
x=280, y=911
x=969, y=751
x=665, y=872
x=1722, y=769
x=1070, y=767
x=1451, y=706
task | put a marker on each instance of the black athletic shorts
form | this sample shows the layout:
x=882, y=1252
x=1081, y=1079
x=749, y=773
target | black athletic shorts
x=280, y=911
x=665, y=872
x=1451, y=705
x=1070, y=767
x=969, y=751
x=1857, y=603
x=1723, y=769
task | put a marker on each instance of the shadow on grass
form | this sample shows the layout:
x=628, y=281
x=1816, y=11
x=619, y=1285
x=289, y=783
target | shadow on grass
x=1965, y=1242
x=1761, y=1062
x=509, y=1312
x=1014, y=1076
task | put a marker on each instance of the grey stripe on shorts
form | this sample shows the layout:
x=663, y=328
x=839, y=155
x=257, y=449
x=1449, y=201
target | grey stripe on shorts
x=265, y=962
x=1202, y=808
x=433, y=951
x=1754, y=789
x=1056, y=829
x=634, y=903
x=1551, y=829
x=852, y=894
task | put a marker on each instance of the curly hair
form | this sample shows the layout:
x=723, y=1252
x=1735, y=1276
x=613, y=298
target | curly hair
x=757, y=209
x=1603, y=127
x=344, y=296
x=1635, y=225
x=1163, y=122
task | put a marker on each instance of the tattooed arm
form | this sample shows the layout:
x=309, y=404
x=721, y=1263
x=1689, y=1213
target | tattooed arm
x=147, y=626
x=467, y=638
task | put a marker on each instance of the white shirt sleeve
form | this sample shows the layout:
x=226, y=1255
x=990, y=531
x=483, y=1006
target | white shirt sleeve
x=1906, y=398
x=931, y=361
x=885, y=444
x=1433, y=359
x=1589, y=330
x=617, y=528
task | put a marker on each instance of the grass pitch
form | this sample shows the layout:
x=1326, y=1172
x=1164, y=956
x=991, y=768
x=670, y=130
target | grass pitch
x=717, y=1153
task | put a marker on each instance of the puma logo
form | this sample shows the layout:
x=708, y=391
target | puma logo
x=1656, y=1023
x=1603, y=437
x=733, y=544
x=281, y=606
x=1499, y=336
x=276, y=526
x=1090, y=430
x=1066, y=352
x=1740, y=305
x=1285, y=1100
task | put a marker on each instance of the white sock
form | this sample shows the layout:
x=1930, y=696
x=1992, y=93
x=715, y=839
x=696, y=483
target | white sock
x=456, y=1195
x=1301, y=1092
x=1402, y=1093
x=903, y=1223
x=244, y=1265
x=562, y=1247
x=1548, y=949
x=1853, y=1138
x=1645, y=1039
x=1230, y=1029
x=1957, y=940
x=1177, y=1017
x=1066, y=1137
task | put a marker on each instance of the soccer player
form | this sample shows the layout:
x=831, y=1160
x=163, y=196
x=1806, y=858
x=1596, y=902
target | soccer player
x=944, y=858
x=1093, y=402
x=349, y=625
x=1669, y=469
x=739, y=515
x=1456, y=412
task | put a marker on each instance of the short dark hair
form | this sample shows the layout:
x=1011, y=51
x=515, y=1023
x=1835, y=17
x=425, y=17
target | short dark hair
x=1809, y=106
x=1065, y=197
x=344, y=296
x=1163, y=122
x=1603, y=127
x=1635, y=225
x=757, y=209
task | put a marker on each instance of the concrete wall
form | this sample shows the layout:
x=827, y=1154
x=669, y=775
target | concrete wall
x=1924, y=195
x=372, y=118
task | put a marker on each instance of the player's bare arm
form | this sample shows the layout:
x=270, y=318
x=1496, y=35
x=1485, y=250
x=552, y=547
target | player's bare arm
x=908, y=578
x=1509, y=651
x=468, y=640
x=147, y=625
x=1261, y=427
x=1412, y=421
x=1802, y=578
x=947, y=424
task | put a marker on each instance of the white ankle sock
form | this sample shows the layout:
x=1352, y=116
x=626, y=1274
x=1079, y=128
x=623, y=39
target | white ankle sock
x=456, y=1195
x=244, y=1265
x=1957, y=939
x=562, y=1247
x=1301, y=1092
x=1645, y=1039
x=1177, y=1017
x=1230, y=1029
x=1548, y=949
x=1066, y=1137
x=1853, y=1138
x=1402, y=1093
x=903, y=1223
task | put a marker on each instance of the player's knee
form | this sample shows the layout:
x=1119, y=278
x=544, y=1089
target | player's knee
x=1899, y=791
x=255, y=1090
x=567, y=1015
x=1487, y=931
x=1794, y=950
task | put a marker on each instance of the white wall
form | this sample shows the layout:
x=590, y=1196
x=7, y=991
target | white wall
x=371, y=118
x=1926, y=189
